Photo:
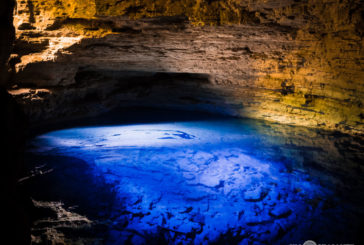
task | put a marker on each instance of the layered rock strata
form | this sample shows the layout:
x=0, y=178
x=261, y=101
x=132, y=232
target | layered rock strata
x=285, y=61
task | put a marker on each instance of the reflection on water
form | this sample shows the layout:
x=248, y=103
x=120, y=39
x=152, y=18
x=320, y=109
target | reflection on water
x=224, y=181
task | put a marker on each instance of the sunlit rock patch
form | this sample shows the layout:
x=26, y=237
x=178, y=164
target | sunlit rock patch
x=190, y=182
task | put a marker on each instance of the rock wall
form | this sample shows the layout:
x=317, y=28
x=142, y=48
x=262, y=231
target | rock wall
x=295, y=62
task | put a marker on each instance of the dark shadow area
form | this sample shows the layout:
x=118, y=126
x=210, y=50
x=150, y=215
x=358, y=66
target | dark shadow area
x=67, y=198
x=98, y=91
x=13, y=140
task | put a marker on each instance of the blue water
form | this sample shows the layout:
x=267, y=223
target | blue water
x=224, y=181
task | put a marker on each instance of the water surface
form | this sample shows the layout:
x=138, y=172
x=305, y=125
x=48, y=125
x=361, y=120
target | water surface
x=223, y=181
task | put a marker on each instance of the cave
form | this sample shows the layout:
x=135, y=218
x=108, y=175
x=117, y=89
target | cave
x=182, y=122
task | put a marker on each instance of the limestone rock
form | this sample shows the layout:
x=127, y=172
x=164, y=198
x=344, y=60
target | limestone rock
x=283, y=61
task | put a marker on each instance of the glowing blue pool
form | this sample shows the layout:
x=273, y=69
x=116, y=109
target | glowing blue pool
x=199, y=182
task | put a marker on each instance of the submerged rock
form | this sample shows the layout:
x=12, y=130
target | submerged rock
x=255, y=195
x=280, y=211
x=136, y=187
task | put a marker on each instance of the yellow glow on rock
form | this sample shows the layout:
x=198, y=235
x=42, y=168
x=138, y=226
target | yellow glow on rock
x=318, y=80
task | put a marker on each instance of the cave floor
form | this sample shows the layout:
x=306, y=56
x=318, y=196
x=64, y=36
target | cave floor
x=218, y=181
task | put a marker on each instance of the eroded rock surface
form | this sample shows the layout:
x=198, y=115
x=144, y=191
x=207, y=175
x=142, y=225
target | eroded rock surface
x=286, y=61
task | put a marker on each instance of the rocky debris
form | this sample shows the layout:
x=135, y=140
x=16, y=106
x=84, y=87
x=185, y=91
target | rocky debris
x=51, y=226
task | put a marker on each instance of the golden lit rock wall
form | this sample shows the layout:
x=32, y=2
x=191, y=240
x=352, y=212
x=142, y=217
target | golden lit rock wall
x=302, y=62
x=326, y=70
x=43, y=13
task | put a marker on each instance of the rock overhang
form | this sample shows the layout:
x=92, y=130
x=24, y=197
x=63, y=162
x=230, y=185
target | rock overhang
x=287, y=61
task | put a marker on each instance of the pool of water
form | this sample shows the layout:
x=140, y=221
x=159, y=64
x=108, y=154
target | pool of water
x=216, y=181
